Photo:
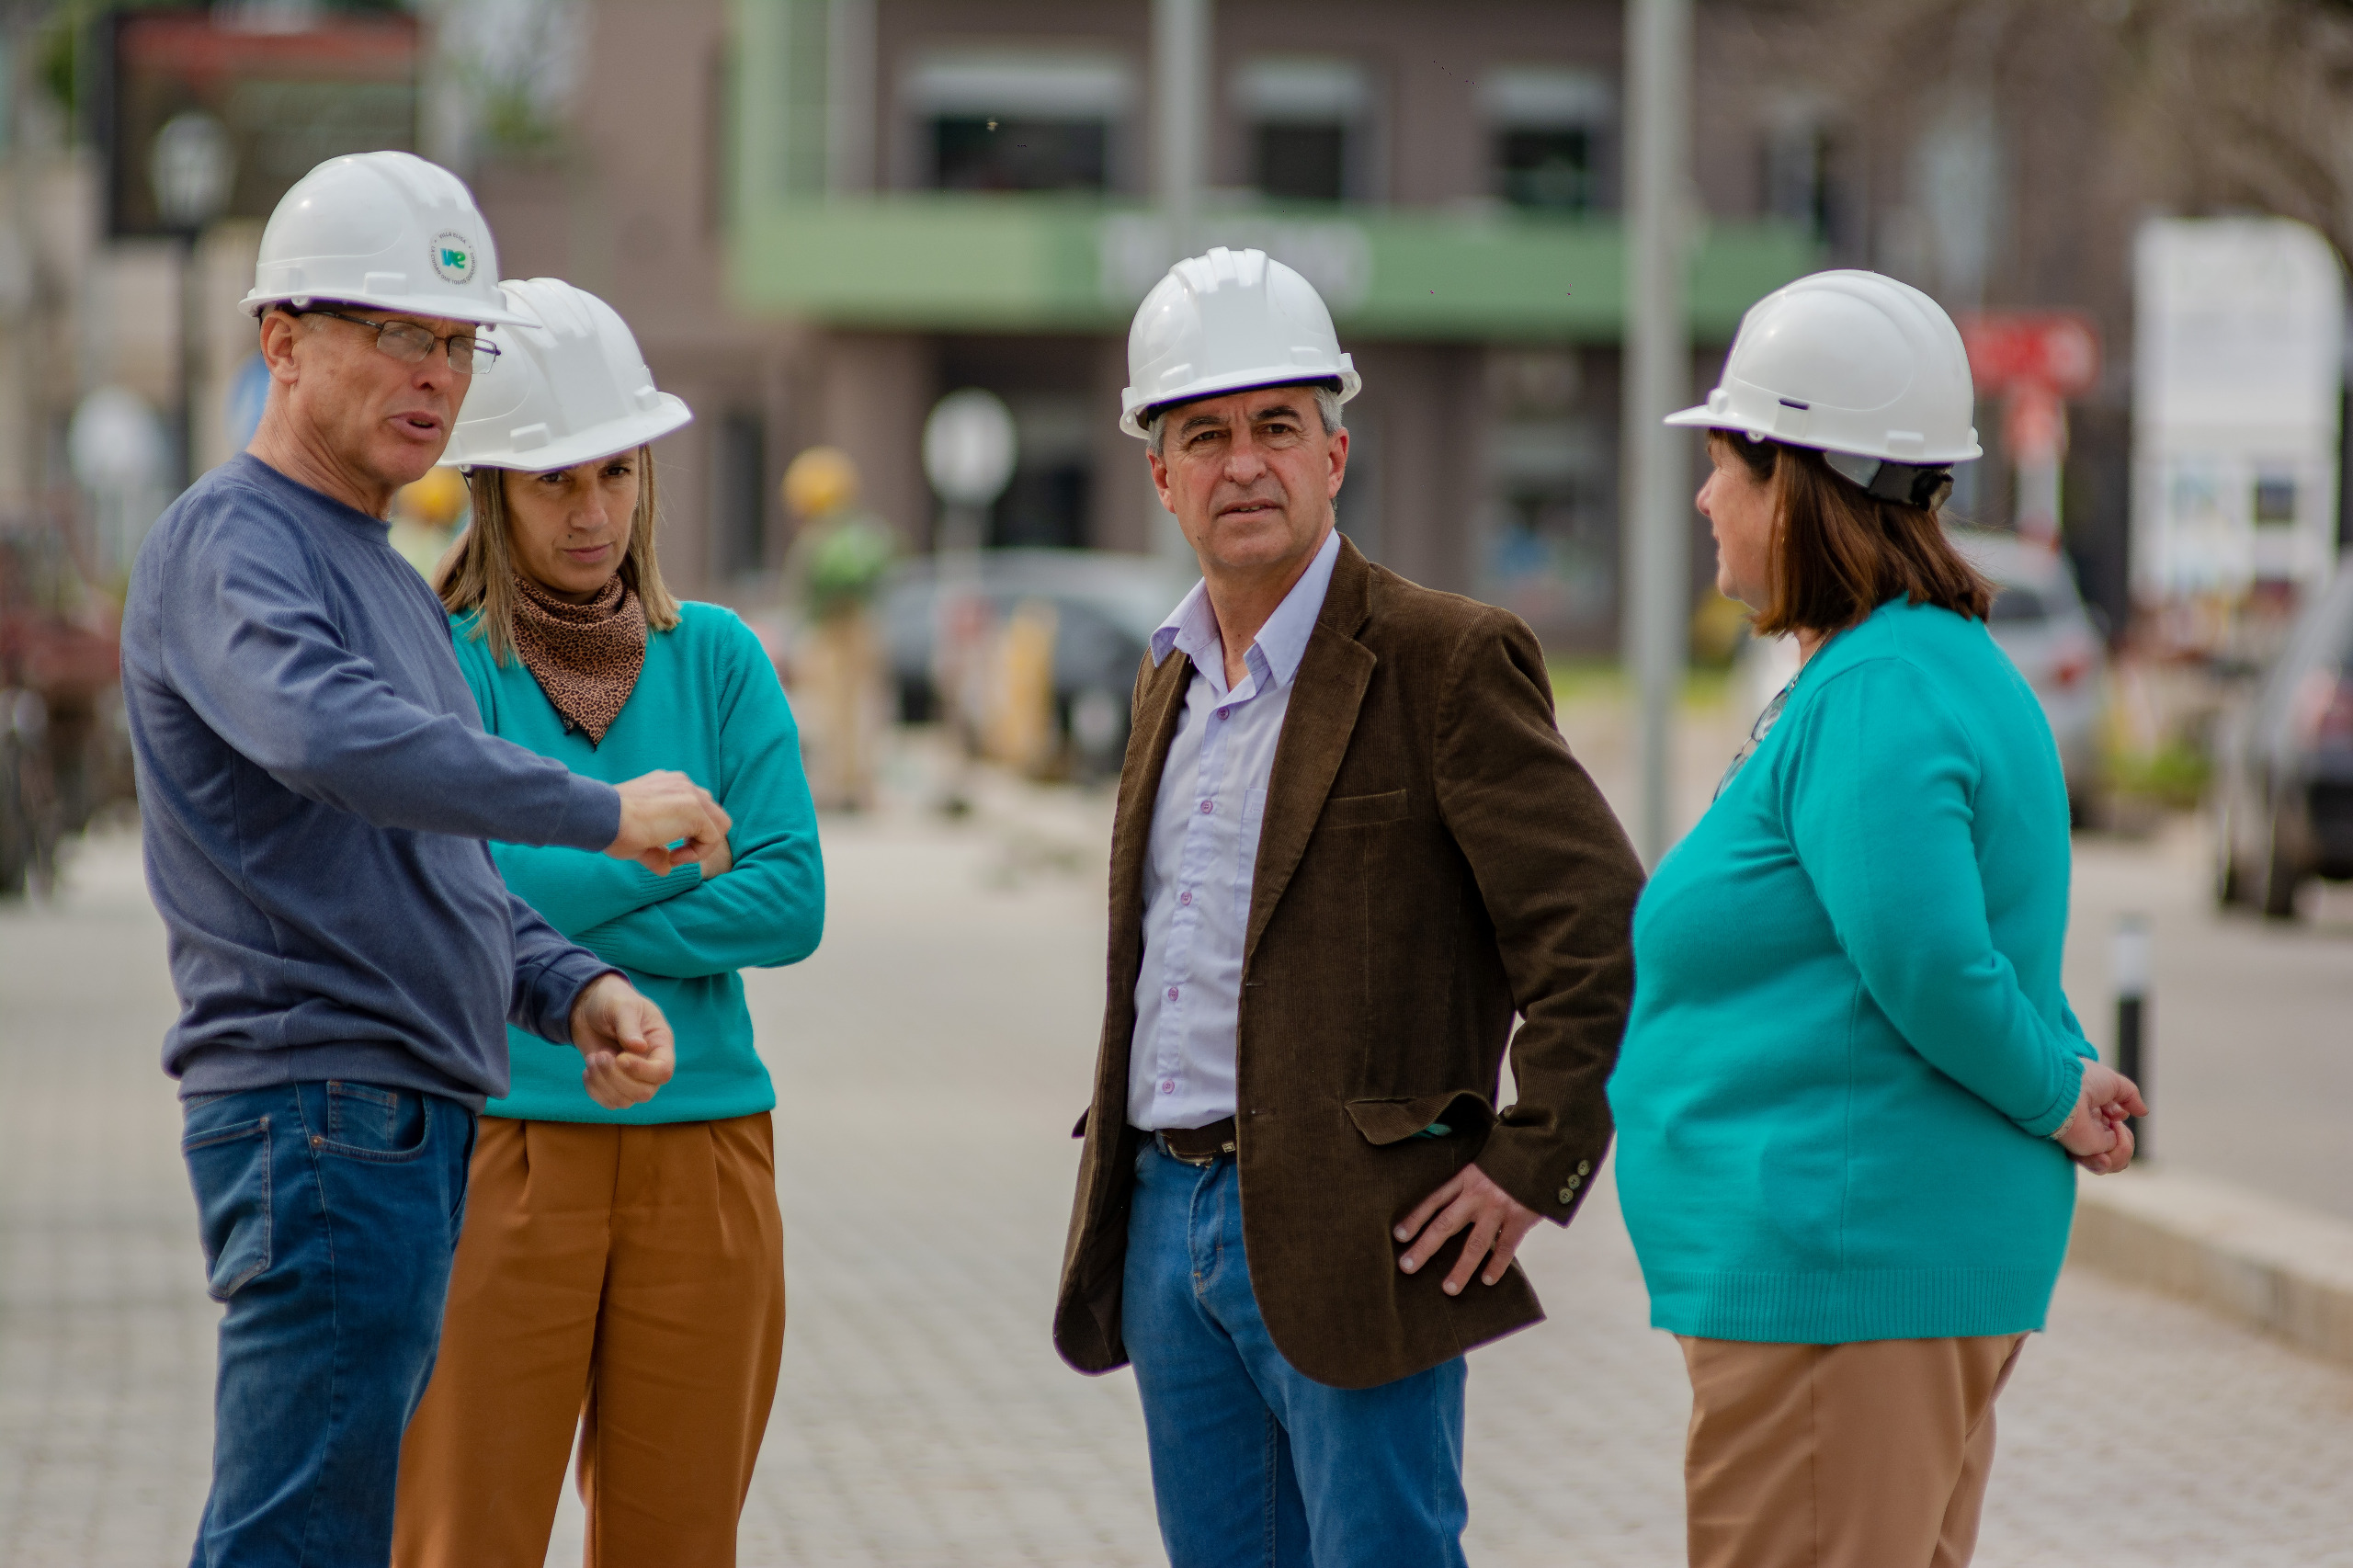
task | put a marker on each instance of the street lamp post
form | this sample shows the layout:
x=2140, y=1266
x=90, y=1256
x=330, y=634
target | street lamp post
x=1657, y=552
x=192, y=168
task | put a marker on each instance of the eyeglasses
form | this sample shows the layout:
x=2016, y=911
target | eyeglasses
x=409, y=343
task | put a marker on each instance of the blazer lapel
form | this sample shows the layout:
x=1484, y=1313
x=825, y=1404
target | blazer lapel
x=1321, y=717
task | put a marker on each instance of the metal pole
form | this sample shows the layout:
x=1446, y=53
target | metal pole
x=2129, y=962
x=1656, y=548
x=191, y=308
x=1180, y=65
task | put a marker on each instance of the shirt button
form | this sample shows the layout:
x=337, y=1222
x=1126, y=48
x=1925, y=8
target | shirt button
x=1568, y=1195
x=1225, y=712
x=1207, y=806
x=1172, y=993
x=1168, y=1085
x=1185, y=897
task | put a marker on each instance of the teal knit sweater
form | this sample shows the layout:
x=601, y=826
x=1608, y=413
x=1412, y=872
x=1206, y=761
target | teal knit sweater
x=707, y=704
x=1849, y=1044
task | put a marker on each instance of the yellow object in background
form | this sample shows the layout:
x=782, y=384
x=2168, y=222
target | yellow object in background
x=428, y=514
x=819, y=481
x=1019, y=704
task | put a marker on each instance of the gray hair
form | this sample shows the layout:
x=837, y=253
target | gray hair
x=1327, y=409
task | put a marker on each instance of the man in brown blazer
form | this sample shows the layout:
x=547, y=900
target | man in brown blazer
x=1350, y=848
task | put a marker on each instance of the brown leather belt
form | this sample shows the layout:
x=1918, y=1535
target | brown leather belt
x=1198, y=1145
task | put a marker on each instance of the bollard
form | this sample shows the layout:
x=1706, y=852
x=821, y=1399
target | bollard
x=2129, y=966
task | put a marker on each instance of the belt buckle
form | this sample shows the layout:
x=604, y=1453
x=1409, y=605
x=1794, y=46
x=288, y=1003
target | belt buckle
x=1199, y=1161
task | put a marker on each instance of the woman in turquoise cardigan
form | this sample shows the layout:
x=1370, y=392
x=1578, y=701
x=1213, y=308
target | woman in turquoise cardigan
x=620, y=1274
x=1851, y=1088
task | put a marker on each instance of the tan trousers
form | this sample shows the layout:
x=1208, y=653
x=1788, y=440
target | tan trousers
x=626, y=1281
x=1873, y=1455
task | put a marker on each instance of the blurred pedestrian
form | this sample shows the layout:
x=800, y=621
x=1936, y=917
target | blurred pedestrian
x=623, y=1269
x=839, y=562
x=315, y=787
x=1852, y=1085
x=1350, y=844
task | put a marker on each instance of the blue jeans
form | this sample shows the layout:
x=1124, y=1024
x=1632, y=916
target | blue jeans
x=1253, y=1463
x=329, y=1212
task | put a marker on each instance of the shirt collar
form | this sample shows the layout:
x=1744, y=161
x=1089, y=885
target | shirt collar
x=1281, y=643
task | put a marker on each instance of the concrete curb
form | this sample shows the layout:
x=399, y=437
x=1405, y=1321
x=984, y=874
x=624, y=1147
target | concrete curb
x=2273, y=1266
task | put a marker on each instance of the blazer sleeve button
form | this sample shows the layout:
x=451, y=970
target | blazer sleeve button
x=1568, y=1195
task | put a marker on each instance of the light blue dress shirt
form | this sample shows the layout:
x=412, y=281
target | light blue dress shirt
x=1204, y=852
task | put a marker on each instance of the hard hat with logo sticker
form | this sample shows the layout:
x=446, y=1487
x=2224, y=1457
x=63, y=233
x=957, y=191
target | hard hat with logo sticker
x=387, y=230
x=1869, y=371
x=569, y=389
x=1227, y=321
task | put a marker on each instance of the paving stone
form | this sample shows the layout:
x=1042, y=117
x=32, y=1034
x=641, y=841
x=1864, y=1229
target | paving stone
x=932, y=1056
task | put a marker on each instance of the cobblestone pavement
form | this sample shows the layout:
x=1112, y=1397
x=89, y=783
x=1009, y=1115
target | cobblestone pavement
x=932, y=1057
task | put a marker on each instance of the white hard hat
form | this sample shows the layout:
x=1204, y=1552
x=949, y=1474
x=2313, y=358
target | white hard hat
x=1868, y=370
x=570, y=390
x=1227, y=321
x=382, y=229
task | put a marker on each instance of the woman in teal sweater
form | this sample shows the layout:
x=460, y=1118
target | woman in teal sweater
x=619, y=1272
x=1850, y=1086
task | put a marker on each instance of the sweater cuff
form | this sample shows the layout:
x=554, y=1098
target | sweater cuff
x=2051, y=1118
x=592, y=816
x=556, y=991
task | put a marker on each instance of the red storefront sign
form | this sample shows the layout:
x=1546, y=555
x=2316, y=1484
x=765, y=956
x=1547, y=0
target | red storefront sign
x=2057, y=351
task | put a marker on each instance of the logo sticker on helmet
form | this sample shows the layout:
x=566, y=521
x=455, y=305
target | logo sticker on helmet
x=453, y=255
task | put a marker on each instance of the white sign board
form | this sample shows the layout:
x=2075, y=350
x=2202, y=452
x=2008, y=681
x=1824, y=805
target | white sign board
x=2237, y=376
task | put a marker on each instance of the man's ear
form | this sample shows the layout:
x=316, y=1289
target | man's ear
x=1339, y=460
x=1159, y=478
x=279, y=335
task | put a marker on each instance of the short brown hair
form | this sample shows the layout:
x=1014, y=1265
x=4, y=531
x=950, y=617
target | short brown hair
x=1839, y=555
x=478, y=572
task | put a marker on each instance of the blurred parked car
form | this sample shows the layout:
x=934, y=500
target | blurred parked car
x=2041, y=622
x=2283, y=766
x=1105, y=607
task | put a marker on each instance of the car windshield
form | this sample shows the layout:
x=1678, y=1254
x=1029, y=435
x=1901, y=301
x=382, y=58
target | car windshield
x=2014, y=604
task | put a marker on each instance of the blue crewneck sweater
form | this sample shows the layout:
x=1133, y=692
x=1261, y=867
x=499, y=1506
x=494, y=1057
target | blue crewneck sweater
x=315, y=790
x=1849, y=1044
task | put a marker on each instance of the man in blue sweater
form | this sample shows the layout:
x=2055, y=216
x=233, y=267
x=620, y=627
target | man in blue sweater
x=315, y=789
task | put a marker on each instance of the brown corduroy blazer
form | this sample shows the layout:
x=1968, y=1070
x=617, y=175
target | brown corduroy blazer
x=1432, y=862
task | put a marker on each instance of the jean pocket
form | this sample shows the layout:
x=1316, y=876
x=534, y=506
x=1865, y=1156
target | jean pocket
x=229, y=1168
x=365, y=1123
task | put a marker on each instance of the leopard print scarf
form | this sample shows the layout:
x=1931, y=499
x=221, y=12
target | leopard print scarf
x=585, y=657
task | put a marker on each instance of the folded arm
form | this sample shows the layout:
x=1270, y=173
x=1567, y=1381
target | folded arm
x=768, y=908
x=1879, y=788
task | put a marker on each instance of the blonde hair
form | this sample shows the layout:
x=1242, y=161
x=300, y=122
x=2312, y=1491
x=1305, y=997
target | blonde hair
x=478, y=572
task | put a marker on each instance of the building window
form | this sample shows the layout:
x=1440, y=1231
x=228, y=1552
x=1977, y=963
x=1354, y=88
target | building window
x=739, y=495
x=1797, y=172
x=1555, y=133
x=1046, y=503
x=1310, y=129
x=1018, y=122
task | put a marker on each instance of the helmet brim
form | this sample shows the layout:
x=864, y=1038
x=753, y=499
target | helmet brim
x=606, y=440
x=436, y=306
x=1134, y=420
x=1705, y=419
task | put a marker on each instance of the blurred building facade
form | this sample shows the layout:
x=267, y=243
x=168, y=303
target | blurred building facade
x=822, y=215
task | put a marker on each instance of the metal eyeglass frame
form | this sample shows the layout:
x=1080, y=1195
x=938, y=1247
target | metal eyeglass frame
x=411, y=333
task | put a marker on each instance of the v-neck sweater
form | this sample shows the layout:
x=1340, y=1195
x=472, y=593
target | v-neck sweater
x=1849, y=1044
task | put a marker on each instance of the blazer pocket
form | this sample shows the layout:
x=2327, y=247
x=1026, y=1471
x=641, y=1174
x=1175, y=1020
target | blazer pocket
x=1386, y=1122
x=1364, y=810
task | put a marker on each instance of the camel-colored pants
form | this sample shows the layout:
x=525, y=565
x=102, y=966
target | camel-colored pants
x=625, y=1281
x=1870, y=1455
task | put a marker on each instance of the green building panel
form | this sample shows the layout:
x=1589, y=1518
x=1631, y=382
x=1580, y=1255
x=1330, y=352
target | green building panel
x=924, y=261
